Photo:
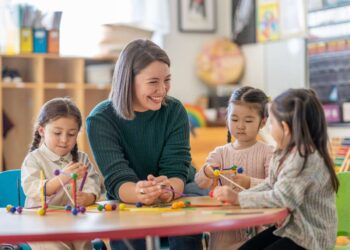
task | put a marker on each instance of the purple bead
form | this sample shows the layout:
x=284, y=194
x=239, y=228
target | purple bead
x=57, y=172
x=114, y=206
x=75, y=211
x=19, y=209
x=138, y=204
x=239, y=170
x=82, y=209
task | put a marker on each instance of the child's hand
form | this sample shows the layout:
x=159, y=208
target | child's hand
x=147, y=192
x=75, y=167
x=85, y=199
x=226, y=194
x=208, y=171
x=242, y=180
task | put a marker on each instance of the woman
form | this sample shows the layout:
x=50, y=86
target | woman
x=140, y=136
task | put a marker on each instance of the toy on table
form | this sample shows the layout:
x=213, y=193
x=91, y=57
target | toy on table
x=74, y=208
x=12, y=209
x=219, y=173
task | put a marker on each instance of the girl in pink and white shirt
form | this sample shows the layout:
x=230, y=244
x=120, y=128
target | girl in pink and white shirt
x=246, y=115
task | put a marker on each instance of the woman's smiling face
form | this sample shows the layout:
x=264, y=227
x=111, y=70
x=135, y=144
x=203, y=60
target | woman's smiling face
x=151, y=86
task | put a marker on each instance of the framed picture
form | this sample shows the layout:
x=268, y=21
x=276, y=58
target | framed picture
x=197, y=16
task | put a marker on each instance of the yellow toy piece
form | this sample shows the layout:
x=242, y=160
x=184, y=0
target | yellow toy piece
x=41, y=211
x=342, y=241
x=216, y=172
x=122, y=206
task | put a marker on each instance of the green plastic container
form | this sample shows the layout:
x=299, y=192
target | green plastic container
x=343, y=207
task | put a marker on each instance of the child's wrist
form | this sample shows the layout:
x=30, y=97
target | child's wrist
x=205, y=173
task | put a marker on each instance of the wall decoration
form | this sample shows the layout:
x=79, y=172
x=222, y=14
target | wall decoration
x=197, y=16
x=220, y=62
x=268, y=20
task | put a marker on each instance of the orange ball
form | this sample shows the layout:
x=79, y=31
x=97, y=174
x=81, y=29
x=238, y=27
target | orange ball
x=181, y=204
x=174, y=205
x=108, y=207
x=342, y=241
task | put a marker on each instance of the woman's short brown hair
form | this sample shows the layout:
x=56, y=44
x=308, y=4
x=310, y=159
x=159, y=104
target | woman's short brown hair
x=136, y=56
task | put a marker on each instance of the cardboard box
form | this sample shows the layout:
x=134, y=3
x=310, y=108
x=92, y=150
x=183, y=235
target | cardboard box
x=116, y=36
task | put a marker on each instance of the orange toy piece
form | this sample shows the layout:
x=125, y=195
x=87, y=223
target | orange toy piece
x=342, y=241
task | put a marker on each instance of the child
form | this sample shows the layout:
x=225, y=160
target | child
x=301, y=178
x=246, y=115
x=55, y=147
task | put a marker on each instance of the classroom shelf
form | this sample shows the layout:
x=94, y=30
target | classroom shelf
x=44, y=77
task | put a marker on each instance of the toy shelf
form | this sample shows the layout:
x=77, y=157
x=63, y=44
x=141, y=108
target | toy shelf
x=41, y=78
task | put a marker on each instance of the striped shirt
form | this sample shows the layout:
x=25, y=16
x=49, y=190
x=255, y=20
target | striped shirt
x=42, y=159
x=306, y=192
x=255, y=162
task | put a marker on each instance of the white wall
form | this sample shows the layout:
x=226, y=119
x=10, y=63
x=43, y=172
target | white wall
x=183, y=48
x=275, y=66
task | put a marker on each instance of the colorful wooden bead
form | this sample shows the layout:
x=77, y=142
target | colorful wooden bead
x=13, y=210
x=138, y=204
x=174, y=205
x=108, y=207
x=41, y=211
x=82, y=209
x=100, y=207
x=216, y=172
x=8, y=208
x=75, y=211
x=74, y=176
x=56, y=172
x=122, y=206
x=19, y=209
x=68, y=207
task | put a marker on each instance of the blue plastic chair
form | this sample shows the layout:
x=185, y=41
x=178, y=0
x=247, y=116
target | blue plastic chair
x=343, y=204
x=11, y=191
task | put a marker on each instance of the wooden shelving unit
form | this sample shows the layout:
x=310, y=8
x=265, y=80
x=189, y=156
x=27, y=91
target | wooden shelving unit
x=44, y=77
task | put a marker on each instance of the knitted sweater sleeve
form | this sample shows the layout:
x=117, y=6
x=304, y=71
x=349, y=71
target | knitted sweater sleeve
x=104, y=141
x=176, y=158
x=288, y=190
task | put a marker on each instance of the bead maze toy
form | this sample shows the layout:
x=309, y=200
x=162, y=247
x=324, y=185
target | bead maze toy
x=219, y=173
x=73, y=208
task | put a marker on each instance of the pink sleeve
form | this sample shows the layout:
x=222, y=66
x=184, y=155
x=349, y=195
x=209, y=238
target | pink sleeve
x=214, y=159
x=268, y=155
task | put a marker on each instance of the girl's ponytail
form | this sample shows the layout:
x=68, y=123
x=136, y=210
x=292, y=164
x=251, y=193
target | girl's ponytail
x=36, y=141
x=74, y=152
